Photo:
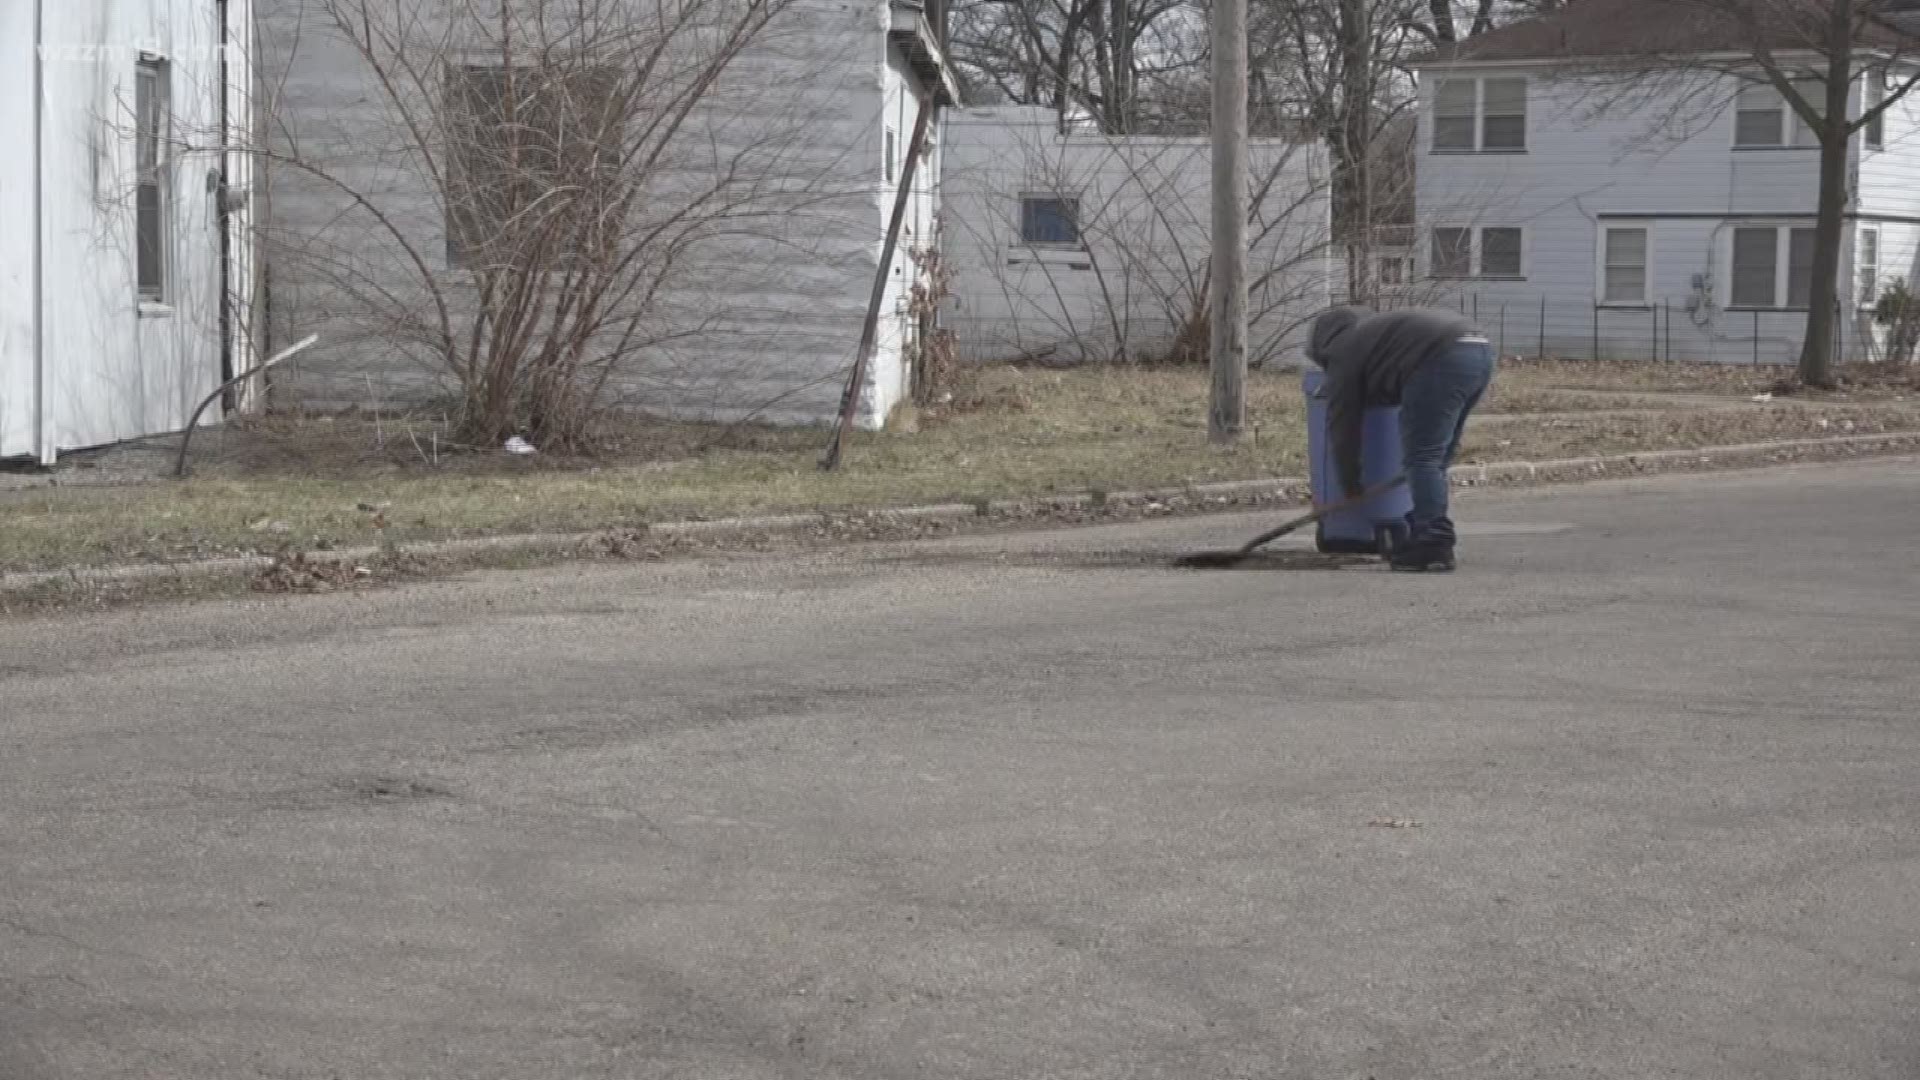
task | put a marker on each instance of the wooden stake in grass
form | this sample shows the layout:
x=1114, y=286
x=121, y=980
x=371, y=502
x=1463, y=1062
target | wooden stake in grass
x=863, y=356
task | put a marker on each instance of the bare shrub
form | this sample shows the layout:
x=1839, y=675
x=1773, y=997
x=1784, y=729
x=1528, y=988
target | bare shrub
x=598, y=172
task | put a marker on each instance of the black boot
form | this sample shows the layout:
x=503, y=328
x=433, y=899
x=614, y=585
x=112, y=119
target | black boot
x=1423, y=556
x=1429, y=550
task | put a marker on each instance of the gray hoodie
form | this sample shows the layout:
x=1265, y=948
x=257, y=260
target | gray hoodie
x=1368, y=358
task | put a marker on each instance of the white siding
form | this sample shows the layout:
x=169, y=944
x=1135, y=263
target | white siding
x=765, y=310
x=17, y=314
x=896, y=337
x=1889, y=193
x=1144, y=221
x=1672, y=167
x=110, y=372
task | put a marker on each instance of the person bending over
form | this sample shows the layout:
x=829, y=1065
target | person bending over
x=1432, y=364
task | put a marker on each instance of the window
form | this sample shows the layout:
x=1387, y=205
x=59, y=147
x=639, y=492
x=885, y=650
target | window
x=1763, y=120
x=888, y=167
x=1500, y=253
x=533, y=163
x=1486, y=253
x=1624, y=266
x=1756, y=254
x=1453, y=114
x=1759, y=117
x=1049, y=219
x=1800, y=268
x=1393, y=270
x=151, y=195
x=1488, y=115
x=1503, y=119
x=1815, y=95
x=1452, y=253
x=1761, y=278
x=1867, y=267
x=1873, y=93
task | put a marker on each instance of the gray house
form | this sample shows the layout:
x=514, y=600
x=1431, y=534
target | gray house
x=755, y=148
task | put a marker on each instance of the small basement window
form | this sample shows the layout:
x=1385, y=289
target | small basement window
x=1049, y=219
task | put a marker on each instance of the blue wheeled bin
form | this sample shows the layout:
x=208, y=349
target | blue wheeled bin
x=1379, y=523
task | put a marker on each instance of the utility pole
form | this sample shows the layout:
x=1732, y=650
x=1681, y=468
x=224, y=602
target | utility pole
x=1227, y=408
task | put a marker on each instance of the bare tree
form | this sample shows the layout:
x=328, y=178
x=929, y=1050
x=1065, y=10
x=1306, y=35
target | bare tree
x=1111, y=61
x=598, y=176
x=1342, y=68
x=1121, y=271
x=1813, y=53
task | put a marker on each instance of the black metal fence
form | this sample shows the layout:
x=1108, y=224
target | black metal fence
x=1536, y=325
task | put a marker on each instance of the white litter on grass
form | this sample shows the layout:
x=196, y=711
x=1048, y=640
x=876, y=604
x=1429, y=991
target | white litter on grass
x=518, y=445
x=1763, y=398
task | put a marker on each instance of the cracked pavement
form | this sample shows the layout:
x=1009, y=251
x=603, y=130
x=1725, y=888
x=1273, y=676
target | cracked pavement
x=1632, y=795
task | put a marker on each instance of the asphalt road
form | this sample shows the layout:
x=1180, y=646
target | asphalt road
x=1013, y=807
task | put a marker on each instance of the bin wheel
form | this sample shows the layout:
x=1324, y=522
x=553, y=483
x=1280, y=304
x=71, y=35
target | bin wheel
x=1389, y=536
x=1320, y=538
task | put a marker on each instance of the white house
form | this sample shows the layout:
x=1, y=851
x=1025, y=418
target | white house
x=1578, y=214
x=124, y=235
x=1084, y=246
x=775, y=191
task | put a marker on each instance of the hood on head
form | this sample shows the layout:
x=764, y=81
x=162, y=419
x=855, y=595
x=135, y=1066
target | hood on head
x=1328, y=329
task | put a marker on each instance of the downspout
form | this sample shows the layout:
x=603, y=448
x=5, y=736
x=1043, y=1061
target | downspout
x=42, y=436
x=221, y=212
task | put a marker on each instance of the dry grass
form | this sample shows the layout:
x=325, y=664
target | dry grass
x=312, y=483
x=1857, y=381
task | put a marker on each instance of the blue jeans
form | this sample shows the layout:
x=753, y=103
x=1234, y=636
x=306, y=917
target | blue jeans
x=1433, y=415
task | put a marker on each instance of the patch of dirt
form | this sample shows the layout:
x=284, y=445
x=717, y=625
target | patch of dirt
x=298, y=572
x=392, y=789
x=1272, y=559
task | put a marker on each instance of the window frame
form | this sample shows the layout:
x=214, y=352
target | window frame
x=1069, y=203
x=1790, y=130
x=1784, y=235
x=153, y=187
x=1479, y=116
x=1604, y=264
x=1867, y=298
x=467, y=241
x=889, y=151
x=1873, y=92
x=1476, y=252
x=1434, y=248
x=1519, y=253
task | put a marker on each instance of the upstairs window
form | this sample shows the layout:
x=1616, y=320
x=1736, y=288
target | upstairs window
x=1049, y=219
x=1762, y=119
x=1480, y=115
x=1873, y=93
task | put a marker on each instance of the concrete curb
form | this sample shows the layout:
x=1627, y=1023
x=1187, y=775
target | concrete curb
x=1162, y=500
